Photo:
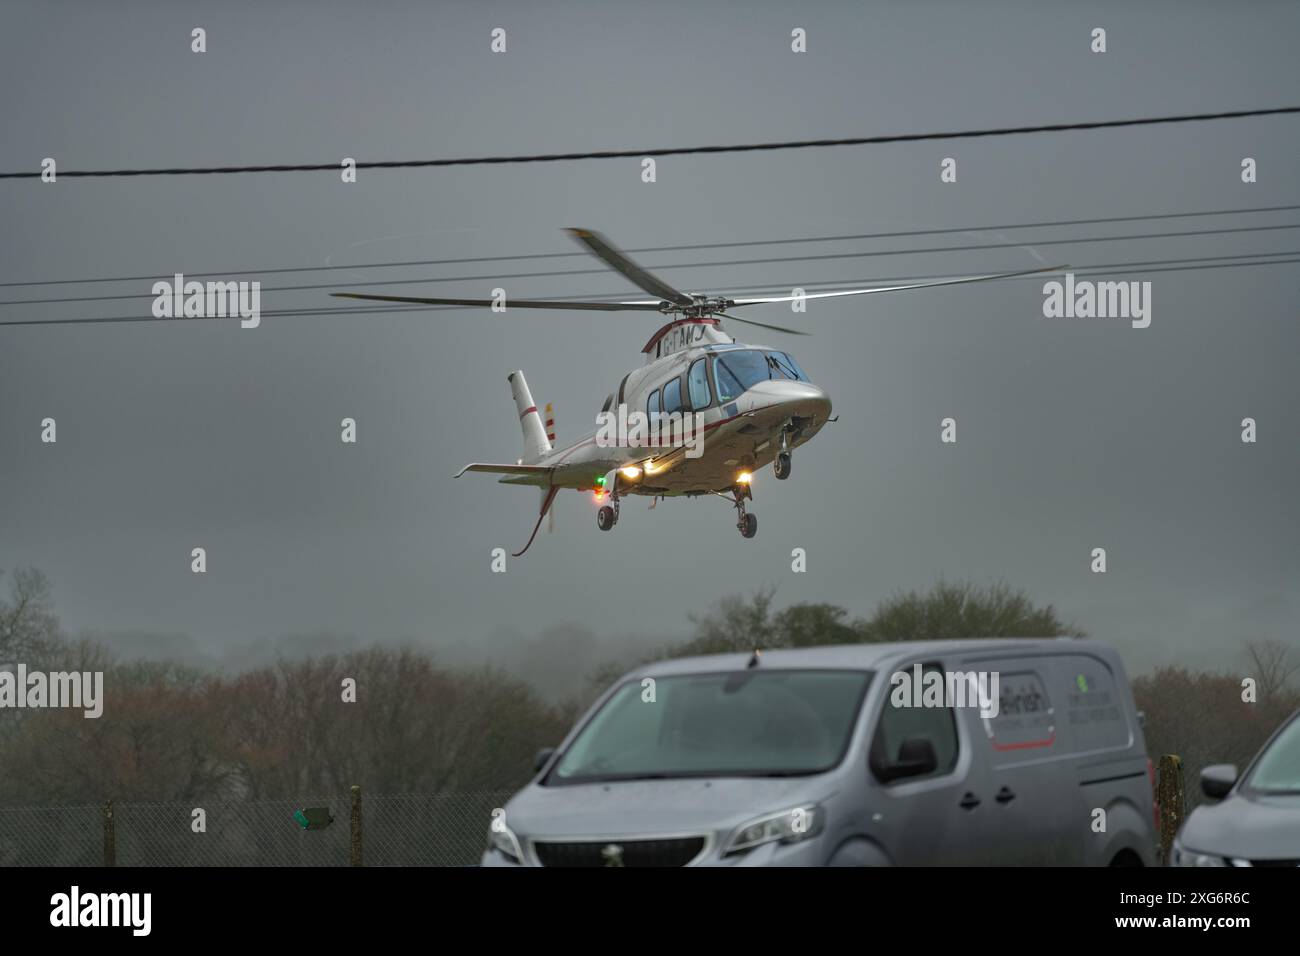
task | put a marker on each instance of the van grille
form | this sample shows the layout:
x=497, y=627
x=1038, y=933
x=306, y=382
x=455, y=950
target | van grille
x=675, y=852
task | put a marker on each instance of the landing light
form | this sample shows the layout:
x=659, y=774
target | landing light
x=744, y=478
x=631, y=471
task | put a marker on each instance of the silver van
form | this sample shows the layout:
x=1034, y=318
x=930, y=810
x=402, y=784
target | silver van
x=1001, y=752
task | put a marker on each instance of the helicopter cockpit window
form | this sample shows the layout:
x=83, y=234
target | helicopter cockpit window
x=652, y=404
x=739, y=371
x=609, y=403
x=787, y=366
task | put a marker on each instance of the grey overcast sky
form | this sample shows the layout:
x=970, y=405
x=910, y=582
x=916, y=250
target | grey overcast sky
x=1072, y=434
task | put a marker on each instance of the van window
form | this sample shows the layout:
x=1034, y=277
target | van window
x=697, y=380
x=937, y=724
x=673, y=396
x=1025, y=717
x=1094, y=711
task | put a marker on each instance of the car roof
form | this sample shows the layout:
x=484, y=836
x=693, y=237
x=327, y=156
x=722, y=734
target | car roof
x=876, y=656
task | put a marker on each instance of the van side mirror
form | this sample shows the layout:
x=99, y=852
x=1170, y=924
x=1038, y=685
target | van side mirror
x=543, y=755
x=916, y=757
x=1218, y=779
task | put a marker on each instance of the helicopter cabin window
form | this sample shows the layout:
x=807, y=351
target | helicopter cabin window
x=697, y=380
x=652, y=404
x=673, y=396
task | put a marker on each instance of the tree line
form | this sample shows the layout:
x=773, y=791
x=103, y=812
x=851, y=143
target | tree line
x=172, y=732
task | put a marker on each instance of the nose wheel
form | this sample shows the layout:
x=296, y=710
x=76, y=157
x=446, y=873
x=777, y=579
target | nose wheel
x=781, y=466
x=746, y=523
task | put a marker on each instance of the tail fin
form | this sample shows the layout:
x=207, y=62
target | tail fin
x=535, y=443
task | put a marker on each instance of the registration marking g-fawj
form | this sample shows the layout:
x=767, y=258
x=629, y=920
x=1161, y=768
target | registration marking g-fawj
x=752, y=404
x=76, y=909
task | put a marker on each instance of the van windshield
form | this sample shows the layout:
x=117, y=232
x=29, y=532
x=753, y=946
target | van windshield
x=741, y=723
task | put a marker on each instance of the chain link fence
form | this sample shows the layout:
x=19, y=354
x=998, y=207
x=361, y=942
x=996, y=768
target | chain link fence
x=444, y=829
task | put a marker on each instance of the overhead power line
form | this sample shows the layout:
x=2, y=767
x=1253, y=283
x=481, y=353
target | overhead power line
x=767, y=260
x=668, y=151
x=678, y=247
x=1119, y=268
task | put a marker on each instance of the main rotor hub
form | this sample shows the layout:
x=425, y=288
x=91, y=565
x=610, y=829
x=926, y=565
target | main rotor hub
x=702, y=306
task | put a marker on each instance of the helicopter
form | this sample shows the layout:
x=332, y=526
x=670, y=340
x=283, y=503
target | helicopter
x=699, y=417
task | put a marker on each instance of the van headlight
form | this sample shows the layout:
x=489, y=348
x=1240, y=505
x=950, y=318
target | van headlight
x=788, y=826
x=1181, y=856
x=502, y=839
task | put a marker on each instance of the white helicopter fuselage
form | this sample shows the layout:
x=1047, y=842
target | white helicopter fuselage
x=731, y=426
x=699, y=418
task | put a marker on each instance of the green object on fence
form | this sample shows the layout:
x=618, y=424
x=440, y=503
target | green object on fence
x=313, y=818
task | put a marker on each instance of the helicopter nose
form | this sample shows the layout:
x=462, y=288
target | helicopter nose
x=799, y=399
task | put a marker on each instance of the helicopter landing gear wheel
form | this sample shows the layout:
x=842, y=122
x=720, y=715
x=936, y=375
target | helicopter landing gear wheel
x=745, y=522
x=605, y=518
x=781, y=466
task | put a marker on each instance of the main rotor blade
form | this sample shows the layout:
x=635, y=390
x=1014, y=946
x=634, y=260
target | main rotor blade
x=605, y=250
x=761, y=325
x=894, y=288
x=508, y=303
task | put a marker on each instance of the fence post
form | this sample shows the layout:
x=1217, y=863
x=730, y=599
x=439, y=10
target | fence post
x=356, y=826
x=1172, y=800
x=110, y=835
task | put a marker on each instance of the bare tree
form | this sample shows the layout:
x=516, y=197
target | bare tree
x=1272, y=665
x=29, y=630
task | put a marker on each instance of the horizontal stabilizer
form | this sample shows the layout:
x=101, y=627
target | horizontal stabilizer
x=534, y=471
x=535, y=481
